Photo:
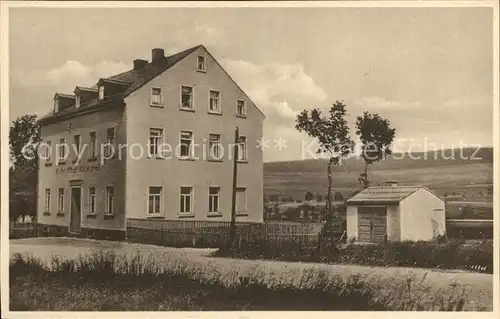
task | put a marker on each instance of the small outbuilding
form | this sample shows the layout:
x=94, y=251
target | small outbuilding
x=395, y=213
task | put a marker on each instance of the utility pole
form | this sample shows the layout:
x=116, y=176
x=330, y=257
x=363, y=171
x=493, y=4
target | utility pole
x=232, y=230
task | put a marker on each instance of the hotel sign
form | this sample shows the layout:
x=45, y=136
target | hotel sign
x=78, y=169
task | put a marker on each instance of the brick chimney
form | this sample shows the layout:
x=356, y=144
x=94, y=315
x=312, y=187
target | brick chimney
x=138, y=63
x=157, y=55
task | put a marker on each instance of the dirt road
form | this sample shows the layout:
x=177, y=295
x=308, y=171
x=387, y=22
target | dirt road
x=479, y=286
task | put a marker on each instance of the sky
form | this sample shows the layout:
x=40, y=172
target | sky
x=427, y=70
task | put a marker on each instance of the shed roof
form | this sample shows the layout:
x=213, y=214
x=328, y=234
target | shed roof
x=384, y=194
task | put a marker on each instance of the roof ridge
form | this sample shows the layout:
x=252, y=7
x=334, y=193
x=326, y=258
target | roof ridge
x=396, y=186
x=136, y=78
x=186, y=51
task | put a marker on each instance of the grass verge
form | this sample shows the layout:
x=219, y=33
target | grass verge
x=477, y=256
x=104, y=281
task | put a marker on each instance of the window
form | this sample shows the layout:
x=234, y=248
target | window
x=76, y=139
x=241, y=108
x=201, y=63
x=242, y=149
x=214, y=106
x=62, y=150
x=186, y=200
x=187, y=97
x=154, y=203
x=213, y=199
x=155, y=137
x=93, y=141
x=241, y=200
x=156, y=97
x=77, y=100
x=47, y=154
x=186, y=144
x=56, y=105
x=110, y=200
x=92, y=201
x=47, y=200
x=214, y=146
x=110, y=142
x=101, y=93
x=60, y=203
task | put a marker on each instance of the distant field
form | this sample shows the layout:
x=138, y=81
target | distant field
x=465, y=182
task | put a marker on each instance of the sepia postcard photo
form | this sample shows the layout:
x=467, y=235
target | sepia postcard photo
x=248, y=157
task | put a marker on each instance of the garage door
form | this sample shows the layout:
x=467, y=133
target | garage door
x=372, y=224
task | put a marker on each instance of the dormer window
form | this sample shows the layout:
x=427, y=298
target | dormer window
x=83, y=94
x=78, y=99
x=63, y=101
x=201, y=64
x=101, y=92
x=56, y=105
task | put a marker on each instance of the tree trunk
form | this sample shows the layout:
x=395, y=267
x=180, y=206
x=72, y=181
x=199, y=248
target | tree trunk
x=365, y=181
x=330, y=182
x=328, y=205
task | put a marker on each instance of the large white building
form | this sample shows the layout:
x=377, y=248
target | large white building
x=183, y=100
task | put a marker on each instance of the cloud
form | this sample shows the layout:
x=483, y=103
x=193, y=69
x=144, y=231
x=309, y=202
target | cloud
x=281, y=90
x=67, y=70
x=380, y=103
x=71, y=73
x=108, y=68
x=285, y=111
x=209, y=30
x=207, y=34
x=467, y=102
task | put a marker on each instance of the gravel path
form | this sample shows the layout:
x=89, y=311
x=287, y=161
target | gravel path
x=479, y=286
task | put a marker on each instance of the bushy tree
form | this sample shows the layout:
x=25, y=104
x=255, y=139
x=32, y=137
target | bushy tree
x=331, y=132
x=274, y=198
x=291, y=213
x=319, y=198
x=376, y=137
x=24, y=136
x=308, y=196
x=338, y=196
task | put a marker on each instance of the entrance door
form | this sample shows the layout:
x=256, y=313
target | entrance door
x=76, y=209
x=372, y=224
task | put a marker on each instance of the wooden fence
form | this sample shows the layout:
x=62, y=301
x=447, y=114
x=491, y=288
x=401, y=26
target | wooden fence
x=206, y=233
x=22, y=230
x=216, y=233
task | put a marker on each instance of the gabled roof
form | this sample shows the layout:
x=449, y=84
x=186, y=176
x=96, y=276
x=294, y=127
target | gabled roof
x=113, y=81
x=133, y=80
x=385, y=194
x=139, y=77
x=82, y=88
x=65, y=96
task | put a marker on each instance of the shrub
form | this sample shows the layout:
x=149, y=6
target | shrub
x=455, y=254
x=105, y=281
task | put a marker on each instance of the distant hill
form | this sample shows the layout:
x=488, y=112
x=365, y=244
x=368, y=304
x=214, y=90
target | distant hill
x=396, y=161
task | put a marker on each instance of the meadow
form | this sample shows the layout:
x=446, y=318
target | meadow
x=107, y=282
x=75, y=274
x=464, y=182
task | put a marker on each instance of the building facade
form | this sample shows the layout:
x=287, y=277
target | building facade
x=155, y=142
x=395, y=213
